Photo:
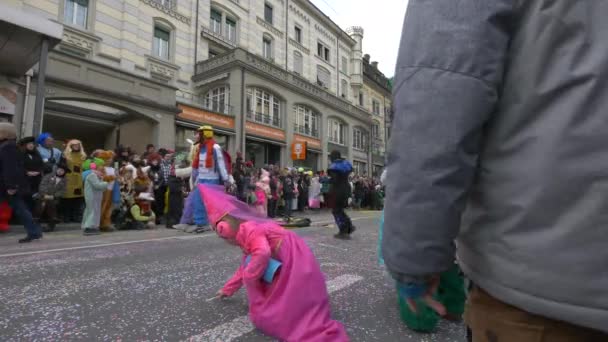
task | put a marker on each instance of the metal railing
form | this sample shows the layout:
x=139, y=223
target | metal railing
x=306, y=130
x=264, y=119
x=219, y=36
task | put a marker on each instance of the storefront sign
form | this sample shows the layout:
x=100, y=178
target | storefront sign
x=310, y=142
x=298, y=151
x=205, y=117
x=8, y=96
x=265, y=131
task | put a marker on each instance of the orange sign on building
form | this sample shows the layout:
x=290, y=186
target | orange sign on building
x=205, y=117
x=310, y=142
x=298, y=151
x=265, y=131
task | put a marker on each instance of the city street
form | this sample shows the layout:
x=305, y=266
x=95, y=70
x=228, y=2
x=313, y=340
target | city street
x=158, y=286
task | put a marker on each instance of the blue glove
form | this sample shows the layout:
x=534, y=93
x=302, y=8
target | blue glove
x=411, y=290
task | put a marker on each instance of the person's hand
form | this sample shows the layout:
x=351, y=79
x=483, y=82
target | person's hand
x=221, y=294
x=413, y=292
x=11, y=192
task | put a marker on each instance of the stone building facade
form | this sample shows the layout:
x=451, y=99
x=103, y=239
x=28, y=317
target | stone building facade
x=271, y=76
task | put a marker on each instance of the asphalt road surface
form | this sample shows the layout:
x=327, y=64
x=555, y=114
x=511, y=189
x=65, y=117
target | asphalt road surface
x=157, y=286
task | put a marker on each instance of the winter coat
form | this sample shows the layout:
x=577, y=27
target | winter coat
x=500, y=108
x=94, y=188
x=32, y=162
x=50, y=186
x=74, y=177
x=12, y=174
x=340, y=189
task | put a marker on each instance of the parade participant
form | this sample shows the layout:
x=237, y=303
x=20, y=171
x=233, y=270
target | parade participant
x=95, y=183
x=13, y=185
x=339, y=192
x=279, y=308
x=52, y=188
x=111, y=196
x=141, y=214
x=33, y=166
x=262, y=193
x=50, y=155
x=159, y=185
x=314, y=193
x=208, y=167
x=72, y=201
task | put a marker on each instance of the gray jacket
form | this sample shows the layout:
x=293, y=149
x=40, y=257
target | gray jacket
x=501, y=123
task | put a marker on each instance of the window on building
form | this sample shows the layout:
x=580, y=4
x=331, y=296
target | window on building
x=298, y=34
x=263, y=107
x=376, y=107
x=359, y=139
x=307, y=121
x=267, y=48
x=376, y=130
x=216, y=21
x=344, y=89
x=361, y=99
x=345, y=65
x=298, y=63
x=231, y=30
x=76, y=12
x=323, y=77
x=359, y=168
x=160, y=44
x=323, y=51
x=166, y=3
x=268, y=13
x=217, y=100
x=336, y=131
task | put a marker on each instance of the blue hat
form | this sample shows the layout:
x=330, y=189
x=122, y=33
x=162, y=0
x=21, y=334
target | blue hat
x=42, y=137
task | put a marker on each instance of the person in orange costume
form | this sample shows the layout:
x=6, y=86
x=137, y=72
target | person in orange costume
x=112, y=195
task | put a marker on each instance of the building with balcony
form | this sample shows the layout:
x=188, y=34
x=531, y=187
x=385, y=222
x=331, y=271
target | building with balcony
x=266, y=74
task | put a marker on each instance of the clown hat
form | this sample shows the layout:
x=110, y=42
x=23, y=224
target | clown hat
x=205, y=128
x=219, y=205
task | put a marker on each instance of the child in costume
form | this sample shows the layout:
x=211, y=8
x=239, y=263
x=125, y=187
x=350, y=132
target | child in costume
x=52, y=188
x=111, y=196
x=141, y=213
x=295, y=305
x=95, y=183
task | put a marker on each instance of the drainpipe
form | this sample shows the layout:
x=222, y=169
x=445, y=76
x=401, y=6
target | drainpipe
x=286, y=34
x=40, y=90
x=28, y=84
x=196, y=37
x=243, y=112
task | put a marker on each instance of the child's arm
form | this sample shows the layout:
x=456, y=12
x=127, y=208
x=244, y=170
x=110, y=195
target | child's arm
x=234, y=283
x=257, y=245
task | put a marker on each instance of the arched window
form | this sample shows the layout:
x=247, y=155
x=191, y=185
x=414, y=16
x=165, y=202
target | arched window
x=217, y=100
x=263, y=107
x=336, y=131
x=163, y=42
x=307, y=121
x=359, y=139
x=298, y=63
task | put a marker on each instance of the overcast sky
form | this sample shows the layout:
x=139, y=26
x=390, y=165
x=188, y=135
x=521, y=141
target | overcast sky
x=381, y=20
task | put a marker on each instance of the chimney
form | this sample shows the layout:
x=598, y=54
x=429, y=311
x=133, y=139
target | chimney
x=375, y=65
x=366, y=58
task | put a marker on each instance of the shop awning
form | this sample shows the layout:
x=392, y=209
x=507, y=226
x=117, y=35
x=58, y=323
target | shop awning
x=21, y=36
x=264, y=140
x=193, y=125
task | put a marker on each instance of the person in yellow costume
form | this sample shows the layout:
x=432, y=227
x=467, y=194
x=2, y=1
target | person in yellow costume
x=73, y=199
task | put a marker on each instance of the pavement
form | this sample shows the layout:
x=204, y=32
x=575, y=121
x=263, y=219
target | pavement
x=158, y=285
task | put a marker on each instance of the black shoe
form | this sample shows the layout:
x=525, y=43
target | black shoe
x=30, y=238
x=202, y=229
x=352, y=229
x=91, y=231
x=342, y=236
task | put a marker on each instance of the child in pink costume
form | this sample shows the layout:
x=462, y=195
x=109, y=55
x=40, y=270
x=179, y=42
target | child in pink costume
x=295, y=306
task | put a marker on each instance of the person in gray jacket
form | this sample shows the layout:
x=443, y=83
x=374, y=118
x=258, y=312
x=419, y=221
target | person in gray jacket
x=500, y=156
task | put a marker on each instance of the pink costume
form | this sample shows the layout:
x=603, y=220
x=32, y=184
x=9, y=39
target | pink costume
x=295, y=306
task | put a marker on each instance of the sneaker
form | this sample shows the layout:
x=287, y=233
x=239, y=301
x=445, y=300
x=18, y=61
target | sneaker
x=191, y=229
x=91, y=231
x=107, y=229
x=181, y=226
x=202, y=229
